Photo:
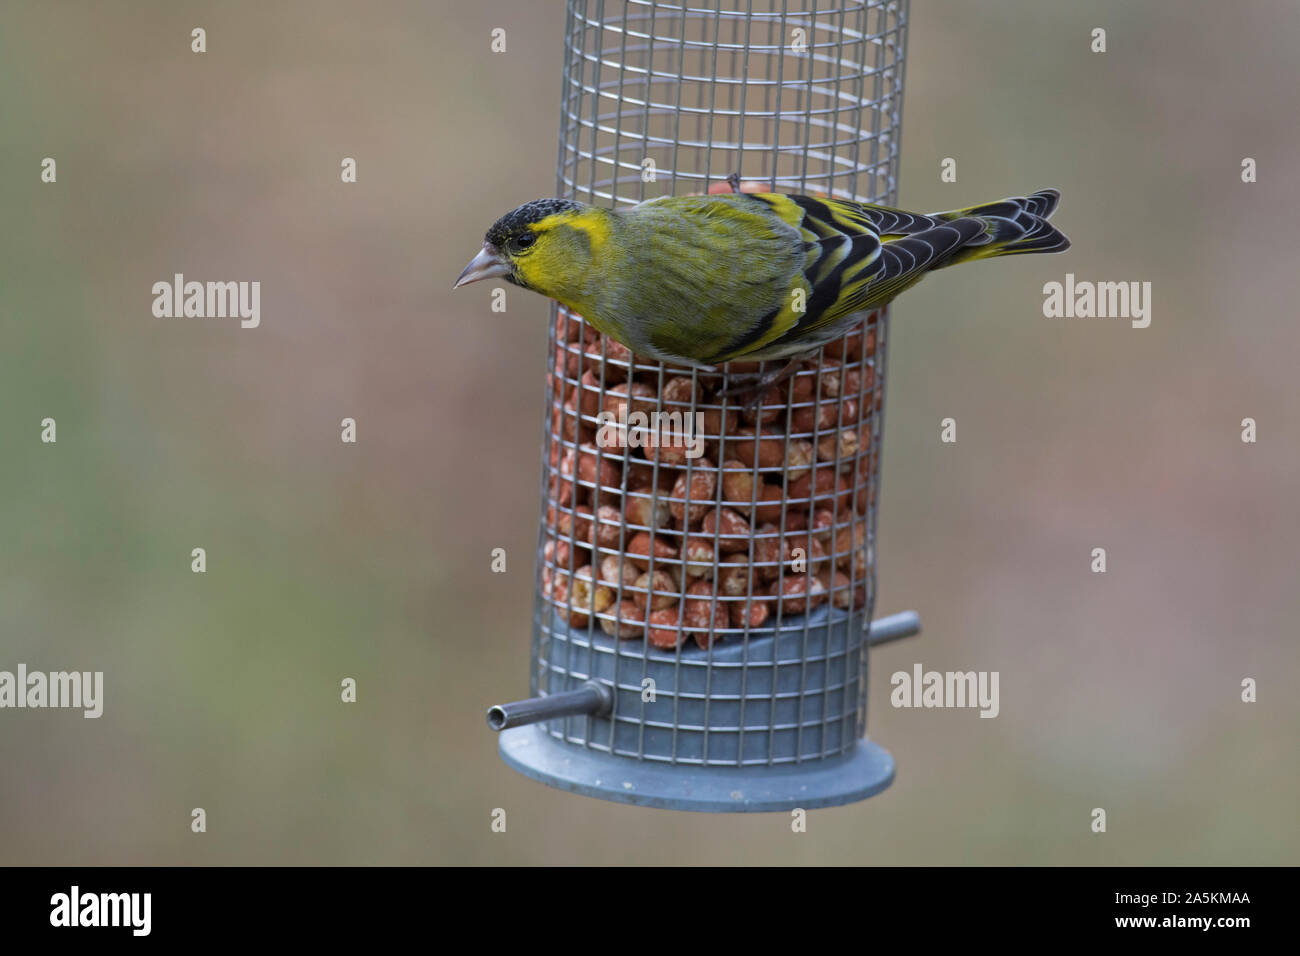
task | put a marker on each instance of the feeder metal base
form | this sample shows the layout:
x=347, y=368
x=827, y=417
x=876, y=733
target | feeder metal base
x=832, y=782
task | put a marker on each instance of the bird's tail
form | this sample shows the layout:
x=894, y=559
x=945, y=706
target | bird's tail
x=1013, y=227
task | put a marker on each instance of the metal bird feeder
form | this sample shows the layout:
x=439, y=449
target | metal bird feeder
x=704, y=597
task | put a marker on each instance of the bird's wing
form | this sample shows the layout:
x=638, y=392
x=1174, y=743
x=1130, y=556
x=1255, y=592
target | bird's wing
x=858, y=256
x=841, y=251
x=883, y=221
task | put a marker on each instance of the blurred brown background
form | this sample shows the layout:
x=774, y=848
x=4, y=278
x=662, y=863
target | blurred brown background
x=371, y=561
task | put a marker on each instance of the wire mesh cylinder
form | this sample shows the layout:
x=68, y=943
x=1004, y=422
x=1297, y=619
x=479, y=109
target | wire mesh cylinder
x=715, y=569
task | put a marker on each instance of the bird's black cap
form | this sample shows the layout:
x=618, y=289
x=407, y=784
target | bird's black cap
x=513, y=222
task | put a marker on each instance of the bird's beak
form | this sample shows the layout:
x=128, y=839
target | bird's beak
x=488, y=264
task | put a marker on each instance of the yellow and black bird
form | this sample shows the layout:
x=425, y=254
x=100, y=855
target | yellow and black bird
x=701, y=280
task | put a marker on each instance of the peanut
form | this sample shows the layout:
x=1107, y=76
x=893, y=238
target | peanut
x=768, y=547
x=619, y=397
x=797, y=592
x=656, y=591
x=679, y=390
x=700, y=556
x=730, y=529
x=763, y=450
x=699, y=492
x=753, y=618
x=703, y=613
x=638, y=549
x=799, y=458
x=734, y=575
x=616, y=569
x=643, y=508
x=605, y=527
x=662, y=627
x=737, y=485
x=820, y=484
x=624, y=621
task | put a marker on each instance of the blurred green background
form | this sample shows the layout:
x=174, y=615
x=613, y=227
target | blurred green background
x=371, y=561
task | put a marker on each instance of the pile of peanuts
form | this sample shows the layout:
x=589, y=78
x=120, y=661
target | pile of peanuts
x=650, y=538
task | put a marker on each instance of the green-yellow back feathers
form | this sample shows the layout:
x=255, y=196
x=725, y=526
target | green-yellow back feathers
x=700, y=280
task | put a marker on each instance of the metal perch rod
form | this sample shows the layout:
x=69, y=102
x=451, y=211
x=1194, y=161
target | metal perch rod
x=590, y=698
x=894, y=628
x=594, y=698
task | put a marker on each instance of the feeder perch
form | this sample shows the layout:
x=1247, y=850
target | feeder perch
x=702, y=617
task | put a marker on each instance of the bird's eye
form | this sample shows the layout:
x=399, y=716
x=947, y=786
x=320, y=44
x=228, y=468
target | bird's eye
x=526, y=240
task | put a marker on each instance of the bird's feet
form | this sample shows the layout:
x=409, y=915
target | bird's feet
x=749, y=389
x=734, y=181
